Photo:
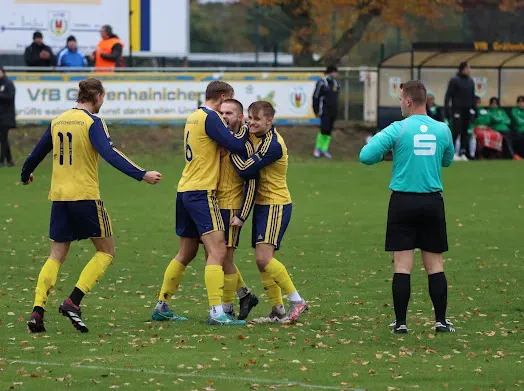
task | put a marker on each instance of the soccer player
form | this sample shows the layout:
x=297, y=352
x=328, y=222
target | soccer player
x=236, y=198
x=198, y=215
x=77, y=137
x=325, y=106
x=272, y=211
x=416, y=219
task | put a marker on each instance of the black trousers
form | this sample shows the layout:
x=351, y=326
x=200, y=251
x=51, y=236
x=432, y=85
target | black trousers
x=327, y=122
x=5, y=150
x=461, y=121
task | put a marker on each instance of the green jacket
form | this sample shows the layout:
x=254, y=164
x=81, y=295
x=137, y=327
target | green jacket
x=483, y=118
x=500, y=120
x=517, y=115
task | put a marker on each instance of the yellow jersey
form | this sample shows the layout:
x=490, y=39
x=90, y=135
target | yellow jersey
x=77, y=138
x=270, y=162
x=204, y=132
x=233, y=191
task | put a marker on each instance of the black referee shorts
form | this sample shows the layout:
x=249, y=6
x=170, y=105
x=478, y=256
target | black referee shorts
x=416, y=220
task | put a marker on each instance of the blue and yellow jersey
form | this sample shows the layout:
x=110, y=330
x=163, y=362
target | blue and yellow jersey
x=270, y=162
x=77, y=138
x=233, y=191
x=204, y=132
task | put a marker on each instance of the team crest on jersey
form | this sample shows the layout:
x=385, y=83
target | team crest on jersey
x=298, y=99
x=481, y=85
x=58, y=23
x=394, y=86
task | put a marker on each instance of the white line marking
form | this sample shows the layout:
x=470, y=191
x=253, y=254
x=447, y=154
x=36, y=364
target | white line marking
x=195, y=375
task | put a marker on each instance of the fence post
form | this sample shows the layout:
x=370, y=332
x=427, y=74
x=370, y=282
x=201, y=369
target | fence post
x=346, y=96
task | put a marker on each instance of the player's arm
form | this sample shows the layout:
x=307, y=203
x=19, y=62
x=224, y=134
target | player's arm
x=268, y=153
x=104, y=146
x=250, y=187
x=316, y=97
x=449, y=153
x=219, y=132
x=44, y=146
x=380, y=144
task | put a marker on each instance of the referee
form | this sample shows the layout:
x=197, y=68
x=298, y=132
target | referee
x=416, y=218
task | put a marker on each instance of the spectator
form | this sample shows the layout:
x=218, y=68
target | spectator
x=108, y=52
x=39, y=54
x=517, y=115
x=7, y=117
x=433, y=110
x=489, y=142
x=325, y=106
x=71, y=56
x=500, y=122
x=461, y=95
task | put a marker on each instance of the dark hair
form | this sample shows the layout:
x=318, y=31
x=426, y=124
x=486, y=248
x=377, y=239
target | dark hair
x=520, y=99
x=463, y=65
x=37, y=34
x=331, y=69
x=89, y=90
x=71, y=38
x=235, y=102
x=416, y=90
x=216, y=88
x=494, y=99
x=261, y=105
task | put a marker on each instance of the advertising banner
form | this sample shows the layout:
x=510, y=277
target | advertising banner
x=163, y=97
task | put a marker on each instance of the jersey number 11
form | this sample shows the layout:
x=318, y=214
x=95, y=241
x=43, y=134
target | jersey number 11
x=70, y=143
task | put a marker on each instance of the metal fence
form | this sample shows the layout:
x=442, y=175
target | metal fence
x=352, y=90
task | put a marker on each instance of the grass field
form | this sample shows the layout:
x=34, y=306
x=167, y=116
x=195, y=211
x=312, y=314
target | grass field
x=334, y=251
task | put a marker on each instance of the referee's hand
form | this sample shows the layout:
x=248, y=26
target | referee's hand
x=152, y=177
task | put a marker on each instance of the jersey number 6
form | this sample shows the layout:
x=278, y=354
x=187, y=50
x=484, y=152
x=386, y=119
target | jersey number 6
x=70, y=139
x=424, y=144
x=189, y=152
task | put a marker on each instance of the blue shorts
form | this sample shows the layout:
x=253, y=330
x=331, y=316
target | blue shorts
x=197, y=214
x=270, y=223
x=77, y=220
x=232, y=234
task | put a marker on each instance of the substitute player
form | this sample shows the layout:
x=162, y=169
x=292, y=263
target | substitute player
x=77, y=137
x=416, y=219
x=236, y=198
x=272, y=211
x=198, y=215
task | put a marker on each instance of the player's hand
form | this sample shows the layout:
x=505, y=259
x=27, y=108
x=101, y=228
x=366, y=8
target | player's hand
x=223, y=152
x=152, y=177
x=31, y=179
x=236, y=222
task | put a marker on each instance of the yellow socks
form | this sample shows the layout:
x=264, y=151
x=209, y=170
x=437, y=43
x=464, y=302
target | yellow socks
x=273, y=291
x=172, y=277
x=214, y=278
x=279, y=274
x=240, y=281
x=93, y=271
x=46, y=281
x=230, y=285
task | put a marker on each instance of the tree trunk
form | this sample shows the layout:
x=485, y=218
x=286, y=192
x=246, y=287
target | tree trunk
x=298, y=12
x=350, y=38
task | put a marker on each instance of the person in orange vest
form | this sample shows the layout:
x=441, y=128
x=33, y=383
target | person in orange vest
x=108, y=52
